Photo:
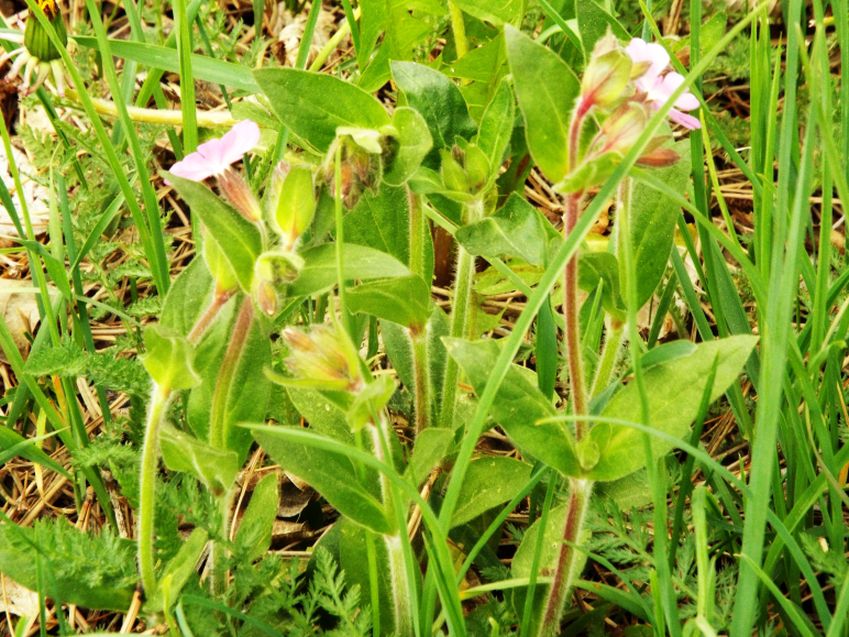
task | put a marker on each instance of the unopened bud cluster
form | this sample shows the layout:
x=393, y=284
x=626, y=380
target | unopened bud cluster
x=623, y=86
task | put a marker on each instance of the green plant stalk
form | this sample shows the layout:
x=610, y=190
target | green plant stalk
x=568, y=560
x=418, y=334
x=159, y=400
x=421, y=371
x=552, y=273
x=461, y=326
x=338, y=215
x=218, y=426
x=458, y=27
x=401, y=584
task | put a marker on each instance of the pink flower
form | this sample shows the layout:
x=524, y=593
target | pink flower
x=650, y=56
x=659, y=86
x=215, y=156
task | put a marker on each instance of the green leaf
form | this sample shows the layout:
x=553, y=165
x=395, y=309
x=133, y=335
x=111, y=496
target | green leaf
x=254, y=535
x=215, y=468
x=322, y=414
x=413, y=144
x=438, y=100
x=177, y=572
x=331, y=474
x=592, y=23
x=489, y=481
x=92, y=571
x=190, y=293
x=162, y=57
x=495, y=11
x=546, y=89
x=239, y=238
x=518, y=406
x=169, y=359
x=380, y=220
x=602, y=268
x=516, y=230
x=314, y=105
x=496, y=126
x=403, y=300
x=552, y=539
x=674, y=389
x=359, y=262
x=431, y=446
x=653, y=218
x=398, y=346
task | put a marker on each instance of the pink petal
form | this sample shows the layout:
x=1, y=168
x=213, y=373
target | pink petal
x=652, y=53
x=240, y=139
x=687, y=102
x=687, y=121
x=193, y=166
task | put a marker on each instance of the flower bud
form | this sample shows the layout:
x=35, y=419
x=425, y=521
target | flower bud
x=623, y=128
x=36, y=39
x=465, y=169
x=607, y=78
x=295, y=205
x=273, y=271
x=239, y=194
x=658, y=158
x=324, y=357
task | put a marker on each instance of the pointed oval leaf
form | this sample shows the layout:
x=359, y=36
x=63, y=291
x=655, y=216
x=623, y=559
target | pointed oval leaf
x=438, y=100
x=489, y=481
x=546, y=89
x=314, y=105
x=518, y=406
x=358, y=262
x=674, y=390
x=331, y=474
x=240, y=238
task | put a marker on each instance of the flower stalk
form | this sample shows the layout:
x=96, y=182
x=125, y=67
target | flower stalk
x=462, y=318
x=160, y=398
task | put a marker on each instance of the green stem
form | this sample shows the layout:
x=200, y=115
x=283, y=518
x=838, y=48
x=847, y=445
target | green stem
x=568, y=559
x=421, y=370
x=418, y=235
x=218, y=550
x=398, y=550
x=338, y=214
x=566, y=562
x=159, y=400
x=218, y=426
x=572, y=332
x=458, y=26
x=461, y=324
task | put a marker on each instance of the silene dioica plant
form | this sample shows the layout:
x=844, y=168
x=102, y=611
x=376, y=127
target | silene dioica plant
x=320, y=248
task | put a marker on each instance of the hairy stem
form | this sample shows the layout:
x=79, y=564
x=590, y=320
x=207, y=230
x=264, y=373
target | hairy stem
x=203, y=322
x=159, y=400
x=566, y=563
x=461, y=323
x=419, y=334
x=396, y=546
x=218, y=426
x=421, y=370
x=568, y=558
x=571, y=309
